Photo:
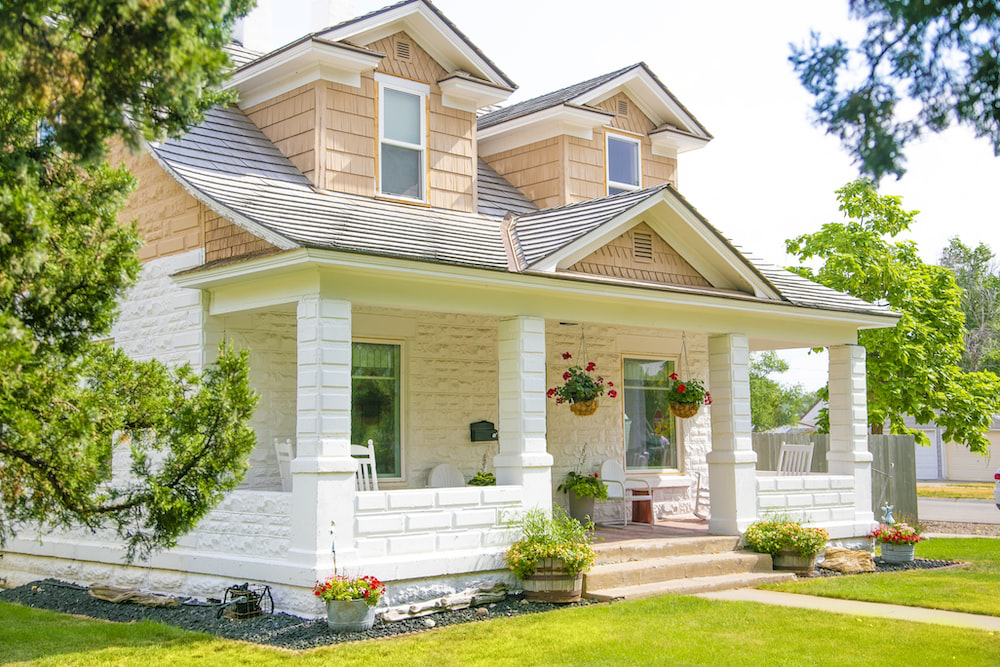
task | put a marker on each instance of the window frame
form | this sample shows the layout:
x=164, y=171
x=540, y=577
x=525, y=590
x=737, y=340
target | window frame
x=678, y=431
x=609, y=184
x=401, y=344
x=422, y=90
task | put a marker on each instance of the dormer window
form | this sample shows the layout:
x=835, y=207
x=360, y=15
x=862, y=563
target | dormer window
x=402, y=137
x=622, y=163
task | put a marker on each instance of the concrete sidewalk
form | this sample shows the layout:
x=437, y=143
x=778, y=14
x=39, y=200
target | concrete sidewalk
x=855, y=608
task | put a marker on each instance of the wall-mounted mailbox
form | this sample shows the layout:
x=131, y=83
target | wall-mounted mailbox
x=482, y=431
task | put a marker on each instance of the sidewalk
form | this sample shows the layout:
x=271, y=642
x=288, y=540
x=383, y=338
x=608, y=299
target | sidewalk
x=856, y=608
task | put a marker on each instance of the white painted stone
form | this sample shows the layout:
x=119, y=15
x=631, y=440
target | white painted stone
x=471, y=539
x=767, y=484
x=457, y=497
x=411, y=544
x=817, y=515
x=478, y=517
x=370, y=501
x=822, y=499
x=815, y=482
x=424, y=521
x=771, y=501
x=380, y=524
x=400, y=500
x=798, y=500
x=789, y=483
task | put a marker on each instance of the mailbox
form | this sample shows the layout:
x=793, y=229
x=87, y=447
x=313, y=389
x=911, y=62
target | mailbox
x=482, y=431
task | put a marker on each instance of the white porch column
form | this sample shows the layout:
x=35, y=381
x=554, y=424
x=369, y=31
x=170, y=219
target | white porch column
x=323, y=471
x=523, y=458
x=732, y=462
x=849, y=453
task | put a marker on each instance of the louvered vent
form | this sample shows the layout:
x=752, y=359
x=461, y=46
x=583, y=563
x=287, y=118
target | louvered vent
x=403, y=49
x=622, y=107
x=642, y=246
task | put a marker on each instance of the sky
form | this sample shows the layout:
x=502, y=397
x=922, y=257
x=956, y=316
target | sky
x=769, y=174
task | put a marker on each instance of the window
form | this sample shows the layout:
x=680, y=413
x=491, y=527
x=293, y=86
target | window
x=623, y=163
x=375, y=403
x=402, y=137
x=650, y=429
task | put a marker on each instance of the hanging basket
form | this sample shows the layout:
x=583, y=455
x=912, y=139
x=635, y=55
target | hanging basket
x=684, y=410
x=584, y=408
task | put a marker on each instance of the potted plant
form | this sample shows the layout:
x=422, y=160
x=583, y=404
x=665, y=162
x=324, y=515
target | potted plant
x=350, y=601
x=551, y=556
x=897, y=541
x=483, y=478
x=791, y=545
x=686, y=396
x=581, y=389
x=583, y=490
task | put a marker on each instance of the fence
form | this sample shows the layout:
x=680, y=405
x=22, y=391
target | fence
x=894, y=468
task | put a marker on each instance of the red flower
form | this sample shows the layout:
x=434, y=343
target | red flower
x=600, y=379
x=567, y=375
x=560, y=399
x=595, y=475
x=611, y=384
x=550, y=393
x=567, y=355
x=673, y=376
x=590, y=366
x=681, y=389
x=613, y=394
x=708, y=398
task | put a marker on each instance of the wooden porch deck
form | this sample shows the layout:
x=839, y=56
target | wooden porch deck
x=681, y=526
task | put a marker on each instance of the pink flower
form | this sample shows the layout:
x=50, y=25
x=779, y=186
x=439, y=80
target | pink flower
x=613, y=394
x=567, y=375
x=673, y=376
x=590, y=366
x=681, y=389
x=567, y=355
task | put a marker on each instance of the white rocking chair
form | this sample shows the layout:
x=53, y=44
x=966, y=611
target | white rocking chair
x=795, y=459
x=366, y=479
x=613, y=476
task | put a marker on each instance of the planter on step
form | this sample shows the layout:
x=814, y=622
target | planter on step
x=790, y=560
x=551, y=583
x=349, y=615
x=581, y=508
x=896, y=553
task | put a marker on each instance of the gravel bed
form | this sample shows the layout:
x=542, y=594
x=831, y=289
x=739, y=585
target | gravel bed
x=883, y=566
x=282, y=630
x=953, y=528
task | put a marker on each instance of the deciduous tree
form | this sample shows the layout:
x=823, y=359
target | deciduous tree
x=977, y=274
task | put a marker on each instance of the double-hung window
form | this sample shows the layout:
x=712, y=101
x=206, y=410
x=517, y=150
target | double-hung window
x=622, y=163
x=402, y=137
x=375, y=403
x=650, y=429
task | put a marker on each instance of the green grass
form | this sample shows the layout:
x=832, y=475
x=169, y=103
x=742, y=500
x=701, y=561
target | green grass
x=666, y=630
x=972, y=588
x=976, y=490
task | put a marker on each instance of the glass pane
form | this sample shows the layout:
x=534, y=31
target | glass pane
x=401, y=171
x=650, y=429
x=375, y=403
x=402, y=116
x=623, y=161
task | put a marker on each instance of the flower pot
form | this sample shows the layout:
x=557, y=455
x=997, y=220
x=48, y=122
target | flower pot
x=789, y=559
x=581, y=508
x=684, y=410
x=349, y=615
x=584, y=408
x=551, y=583
x=896, y=553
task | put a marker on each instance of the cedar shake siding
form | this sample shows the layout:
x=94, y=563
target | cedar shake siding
x=535, y=169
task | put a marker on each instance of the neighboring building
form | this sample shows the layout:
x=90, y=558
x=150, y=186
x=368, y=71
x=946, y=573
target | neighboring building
x=400, y=268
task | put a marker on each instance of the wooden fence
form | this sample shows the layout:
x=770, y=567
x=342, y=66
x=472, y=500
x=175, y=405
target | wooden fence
x=894, y=469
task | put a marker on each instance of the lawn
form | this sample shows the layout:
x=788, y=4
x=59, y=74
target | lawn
x=665, y=630
x=972, y=589
x=975, y=490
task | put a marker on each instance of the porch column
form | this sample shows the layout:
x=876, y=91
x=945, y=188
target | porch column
x=323, y=471
x=523, y=457
x=732, y=462
x=849, y=453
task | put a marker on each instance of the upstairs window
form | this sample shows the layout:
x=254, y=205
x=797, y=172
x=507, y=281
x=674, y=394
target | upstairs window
x=623, y=163
x=402, y=137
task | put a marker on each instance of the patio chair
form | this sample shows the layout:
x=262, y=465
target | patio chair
x=284, y=451
x=795, y=459
x=702, y=499
x=366, y=478
x=613, y=476
x=445, y=475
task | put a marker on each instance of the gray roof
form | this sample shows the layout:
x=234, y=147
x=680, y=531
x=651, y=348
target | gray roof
x=240, y=55
x=231, y=166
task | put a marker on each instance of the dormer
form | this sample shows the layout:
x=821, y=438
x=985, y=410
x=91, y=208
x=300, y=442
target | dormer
x=617, y=132
x=383, y=105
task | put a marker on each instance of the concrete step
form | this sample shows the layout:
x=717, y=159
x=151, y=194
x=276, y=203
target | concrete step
x=690, y=586
x=653, y=570
x=624, y=551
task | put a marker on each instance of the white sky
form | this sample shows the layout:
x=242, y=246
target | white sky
x=769, y=174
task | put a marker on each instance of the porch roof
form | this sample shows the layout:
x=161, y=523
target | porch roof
x=228, y=164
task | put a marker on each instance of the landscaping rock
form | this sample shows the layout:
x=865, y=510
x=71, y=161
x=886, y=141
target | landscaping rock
x=847, y=561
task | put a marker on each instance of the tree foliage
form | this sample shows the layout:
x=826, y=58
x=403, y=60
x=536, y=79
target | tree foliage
x=913, y=368
x=977, y=274
x=69, y=72
x=773, y=404
x=941, y=57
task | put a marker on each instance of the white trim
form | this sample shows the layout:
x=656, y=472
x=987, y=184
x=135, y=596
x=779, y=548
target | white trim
x=421, y=90
x=667, y=142
x=610, y=135
x=465, y=95
x=552, y=122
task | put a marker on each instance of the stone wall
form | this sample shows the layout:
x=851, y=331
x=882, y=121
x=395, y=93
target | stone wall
x=824, y=501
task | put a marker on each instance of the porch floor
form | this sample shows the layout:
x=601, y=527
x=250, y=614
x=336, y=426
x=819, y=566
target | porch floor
x=679, y=526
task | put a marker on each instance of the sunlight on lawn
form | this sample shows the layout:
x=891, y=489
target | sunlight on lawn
x=974, y=490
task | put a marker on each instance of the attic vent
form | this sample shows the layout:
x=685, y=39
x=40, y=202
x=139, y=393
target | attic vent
x=622, y=107
x=642, y=246
x=402, y=49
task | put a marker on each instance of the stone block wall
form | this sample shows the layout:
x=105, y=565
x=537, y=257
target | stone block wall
x=817, y=500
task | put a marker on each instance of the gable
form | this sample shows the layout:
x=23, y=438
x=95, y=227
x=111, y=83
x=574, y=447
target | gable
x=641, y=254
x=405, y=58
x=633, y=120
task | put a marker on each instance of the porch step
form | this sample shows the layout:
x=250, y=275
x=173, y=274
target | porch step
x=625, y=551
x=689, y=586
x=656, y=570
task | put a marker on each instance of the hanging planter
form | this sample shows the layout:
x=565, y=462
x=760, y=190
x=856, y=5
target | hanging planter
x=686, y=396
x=581, y=389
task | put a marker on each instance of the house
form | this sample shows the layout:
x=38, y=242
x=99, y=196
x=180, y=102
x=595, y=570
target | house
x=401, y=267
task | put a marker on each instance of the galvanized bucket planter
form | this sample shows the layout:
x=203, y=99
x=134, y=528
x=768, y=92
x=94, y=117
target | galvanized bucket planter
x=349, y=615
x=896, y=553
x=551, y=583
x=581, y=508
